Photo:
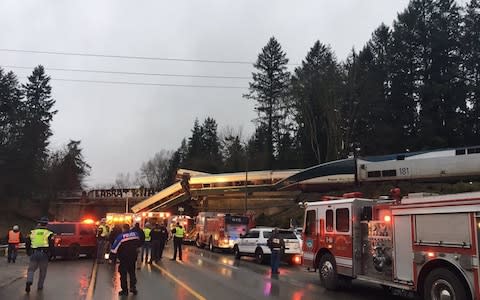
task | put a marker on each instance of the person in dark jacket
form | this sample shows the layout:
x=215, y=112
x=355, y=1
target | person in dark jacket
x=277, y=245
x=159, y=238
x=125, y=249
x=141, y=234
x=116, y=230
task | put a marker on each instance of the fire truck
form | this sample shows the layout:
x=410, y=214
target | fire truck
x=428, y=244
x=219, y=230
x=188, y=223
x=152, y=217
x=119, y=219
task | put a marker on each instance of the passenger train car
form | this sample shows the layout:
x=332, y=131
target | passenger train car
x=425, y=165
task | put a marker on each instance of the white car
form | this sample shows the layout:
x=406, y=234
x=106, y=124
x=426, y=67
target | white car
x=254, y=243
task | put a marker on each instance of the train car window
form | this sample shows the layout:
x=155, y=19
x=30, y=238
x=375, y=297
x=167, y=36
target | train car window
x=329, y=220
x=374, y=174
x=310, y=223
x=400, y=157
x=460, y=152
x=389, y=173
x=473, y=150
x=343, y=220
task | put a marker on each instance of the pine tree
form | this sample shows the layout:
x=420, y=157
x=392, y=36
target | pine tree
x=316, y=88
x=211, y=158
x=38, y=113
x=234, y=154
x=11, y=124
x=269, y=89
x=471, y=63
x=366, y=116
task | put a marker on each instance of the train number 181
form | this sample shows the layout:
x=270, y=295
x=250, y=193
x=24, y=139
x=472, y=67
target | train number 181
x=403, y=171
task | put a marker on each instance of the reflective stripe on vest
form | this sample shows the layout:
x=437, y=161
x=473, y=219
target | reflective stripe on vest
x=39, y=238
x=179, y=232
x=13, y=237
x=104, y=230
x=147, y=231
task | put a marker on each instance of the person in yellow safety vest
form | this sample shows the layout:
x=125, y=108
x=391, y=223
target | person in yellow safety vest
x=178, y=233
x=147, y=246
x=103, y=233
x=14, y=237
x=39, y=246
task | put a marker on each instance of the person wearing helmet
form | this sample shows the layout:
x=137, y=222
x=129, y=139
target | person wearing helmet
x=39, y=246
x=14, y=237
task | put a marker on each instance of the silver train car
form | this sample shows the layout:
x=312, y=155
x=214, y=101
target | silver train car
x=438, y=165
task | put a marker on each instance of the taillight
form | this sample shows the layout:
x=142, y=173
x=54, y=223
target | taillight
x=57, y=241
x=297, y=259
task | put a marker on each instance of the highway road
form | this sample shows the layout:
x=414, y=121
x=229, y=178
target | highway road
x=201, y=275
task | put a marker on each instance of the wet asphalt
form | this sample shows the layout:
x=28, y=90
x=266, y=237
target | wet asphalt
x=201, y=275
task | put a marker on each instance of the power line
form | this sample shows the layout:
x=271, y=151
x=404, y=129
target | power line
x=149, y=84
x=131, y=73
x=238, y=62
x=129, y=57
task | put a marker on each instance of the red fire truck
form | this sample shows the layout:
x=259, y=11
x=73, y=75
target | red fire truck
x=427, y=244
x=151, y=218
x=188, y=223
x=219, y=230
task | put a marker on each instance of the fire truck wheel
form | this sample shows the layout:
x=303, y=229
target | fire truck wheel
x=441, y=283
x=259, y=256
x=328, y=272
x=236, y=252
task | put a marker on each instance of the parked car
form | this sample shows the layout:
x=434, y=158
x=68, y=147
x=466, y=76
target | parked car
x=71, y=239
x=254, y=243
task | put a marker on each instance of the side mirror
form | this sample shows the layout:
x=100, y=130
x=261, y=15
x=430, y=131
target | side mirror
x=366, y=213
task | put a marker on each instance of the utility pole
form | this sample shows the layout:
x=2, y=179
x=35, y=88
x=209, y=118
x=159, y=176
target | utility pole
x=246, y=178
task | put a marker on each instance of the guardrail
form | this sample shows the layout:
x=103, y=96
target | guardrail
x=4, y=248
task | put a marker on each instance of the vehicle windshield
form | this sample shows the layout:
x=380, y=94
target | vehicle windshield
x=284, y=234
x=62, y=229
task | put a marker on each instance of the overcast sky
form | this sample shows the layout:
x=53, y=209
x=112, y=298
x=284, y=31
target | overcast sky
x=121, y=126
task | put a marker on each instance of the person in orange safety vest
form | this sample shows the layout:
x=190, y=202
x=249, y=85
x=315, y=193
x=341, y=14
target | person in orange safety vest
x=14, y=237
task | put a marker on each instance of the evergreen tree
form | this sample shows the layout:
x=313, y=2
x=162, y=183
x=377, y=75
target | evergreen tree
x=471, y=63
x=269, y=89
x=365, y=116
x=211, y=157
x=316, y=88
x=234, y=154
x=11, y=124
x=38, y=113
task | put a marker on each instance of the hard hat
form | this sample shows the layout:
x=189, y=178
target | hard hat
x=43, y=220
x=147, y=224
x=15, y=227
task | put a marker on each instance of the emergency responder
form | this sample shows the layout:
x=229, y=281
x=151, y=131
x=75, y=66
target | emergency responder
x=125, y=249
x=116, y=230
x=178, y=233
x=159, y=238
x=14, y=237
x=147, y=246
x=39, y=245
x=140, y=233
x=277, y=245
x=102, y=240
